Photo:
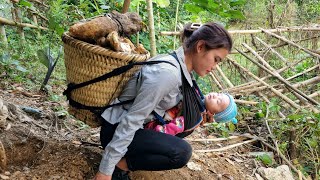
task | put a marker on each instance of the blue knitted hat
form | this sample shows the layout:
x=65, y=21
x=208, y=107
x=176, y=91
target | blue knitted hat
x=229, y=114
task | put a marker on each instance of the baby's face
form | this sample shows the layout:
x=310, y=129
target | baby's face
x=216, y=102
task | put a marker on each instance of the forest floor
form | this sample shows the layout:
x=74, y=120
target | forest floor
x=47, y=144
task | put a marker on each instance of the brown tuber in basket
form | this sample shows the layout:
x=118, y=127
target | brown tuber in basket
x=85, y=62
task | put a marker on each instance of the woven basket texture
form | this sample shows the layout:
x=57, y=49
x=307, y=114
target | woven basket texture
x=84, y=62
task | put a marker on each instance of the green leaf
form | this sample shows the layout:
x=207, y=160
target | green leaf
x=162, y=3
x=236, y=14
x=25, y=3
x=193, y=8
x=295, y=116
x=232, y=127
x=42, y=55
x=265, y=159
x=237, y=2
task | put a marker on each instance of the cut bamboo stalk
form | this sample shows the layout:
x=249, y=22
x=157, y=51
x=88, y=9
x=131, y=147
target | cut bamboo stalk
x=13, y=23
x=224, y=77
x=3, y=35
x=281, y=44
x=216, y=81
x=35, y=20
x=272, y=50
x=297, y=85
x=227, y=147
x=17, y=14
x=289, y=101
x=246, y=102
x=280, y=78
x=215, y=139
x=288, y=29
x=303, y=72
x=152, y=35
x=315, y=94
x=251, y=84
x=291, y=43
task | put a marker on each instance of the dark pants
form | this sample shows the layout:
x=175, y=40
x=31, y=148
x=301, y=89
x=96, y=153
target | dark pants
x=151, y=150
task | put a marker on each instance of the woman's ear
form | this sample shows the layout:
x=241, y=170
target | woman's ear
x=201, y=46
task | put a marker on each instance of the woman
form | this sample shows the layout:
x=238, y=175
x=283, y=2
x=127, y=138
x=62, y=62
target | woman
x=156, y=88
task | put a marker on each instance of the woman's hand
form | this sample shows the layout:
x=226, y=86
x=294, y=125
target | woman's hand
x=101, y=176
x=207, y=117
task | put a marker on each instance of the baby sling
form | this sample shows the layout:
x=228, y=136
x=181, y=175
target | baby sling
x=192, y=103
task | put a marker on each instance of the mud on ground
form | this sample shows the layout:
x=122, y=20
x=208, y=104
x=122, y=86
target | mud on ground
x=47, y=144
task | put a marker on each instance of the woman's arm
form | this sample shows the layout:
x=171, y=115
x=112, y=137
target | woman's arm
x=156, y=82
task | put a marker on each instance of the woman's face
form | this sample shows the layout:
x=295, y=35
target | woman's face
x=216, y=102
x=205, y=61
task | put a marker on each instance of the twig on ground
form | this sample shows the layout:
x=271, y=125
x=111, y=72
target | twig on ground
x=215, y=139
x=285, y=159
x=227, y=147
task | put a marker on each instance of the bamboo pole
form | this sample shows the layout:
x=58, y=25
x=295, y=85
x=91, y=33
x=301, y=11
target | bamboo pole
x=281, y=44
x=216, y=81
x=13, y=23
x=272, y=50
x=288, y=29
x=224, y=77
x=175, y=23
x=291, y=43
x=17, y=15
x=277, y=75
x=251, y=84
x=35, y=20
x=152, y=35
x=289, y=101
x=297, y=85
x=303, y=72
x=246, y=102
x=315, y=94
x=3, y=35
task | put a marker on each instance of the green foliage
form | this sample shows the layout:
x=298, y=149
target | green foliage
x=224, y=11
x=265, y=159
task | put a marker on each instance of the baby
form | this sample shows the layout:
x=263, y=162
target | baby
x=221, y=105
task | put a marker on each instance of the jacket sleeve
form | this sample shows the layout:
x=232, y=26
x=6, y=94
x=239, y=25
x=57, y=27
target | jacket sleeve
x=155, y=83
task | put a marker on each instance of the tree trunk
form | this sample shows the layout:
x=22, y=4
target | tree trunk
x=126, y=5
x=151, y=29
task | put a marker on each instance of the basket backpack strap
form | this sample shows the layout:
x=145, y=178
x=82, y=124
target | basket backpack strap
x=115, y=72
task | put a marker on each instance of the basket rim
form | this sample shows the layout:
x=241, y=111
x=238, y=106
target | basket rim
x=69, y=40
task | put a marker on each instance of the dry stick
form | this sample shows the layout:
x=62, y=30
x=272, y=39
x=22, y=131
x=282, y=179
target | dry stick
x=224, y=77
x=288, y=29
x=242, y=88
x=281, y=44
x=291, y=43
x=289, y=101
x=216, y=81
x=297, y=85
x=215, y=139
x=315, y=94
x=227, y=147
x=13, y=23
x=3, y=35
x=17, y=12
x=152, y=35
x=245, y=102
x=272, y=50
x=303, y=72
x=254, y=83
x=280, y=78
x=284, y=158
x=35, y=20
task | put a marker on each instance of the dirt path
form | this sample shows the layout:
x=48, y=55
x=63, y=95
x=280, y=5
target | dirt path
x=48, y=145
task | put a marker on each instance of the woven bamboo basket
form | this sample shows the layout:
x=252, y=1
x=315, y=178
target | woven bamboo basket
x=83, y=62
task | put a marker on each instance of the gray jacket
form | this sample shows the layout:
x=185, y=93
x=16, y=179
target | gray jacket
x=153, y=88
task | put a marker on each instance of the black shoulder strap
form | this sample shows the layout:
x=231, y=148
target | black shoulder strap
x=115, y=72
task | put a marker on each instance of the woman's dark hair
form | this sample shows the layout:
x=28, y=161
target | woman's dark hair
x=213, y=34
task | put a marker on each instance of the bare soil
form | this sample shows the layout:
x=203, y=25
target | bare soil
x=49, y=145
